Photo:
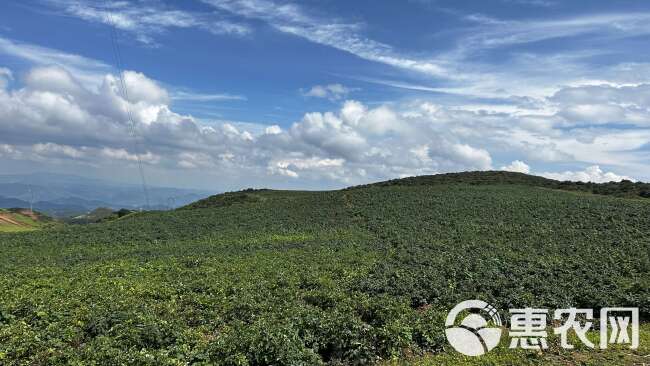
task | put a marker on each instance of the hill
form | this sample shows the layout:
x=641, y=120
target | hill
x=18, y=220
x=12, y=202
x=101, y=214
x=624, y=188
x=356, y=276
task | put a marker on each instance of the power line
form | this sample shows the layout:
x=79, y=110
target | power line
x=132, y=129
x=31, y=199
x=125, y=96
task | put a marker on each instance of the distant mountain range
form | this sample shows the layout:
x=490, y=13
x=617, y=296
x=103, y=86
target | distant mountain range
x=62, y=195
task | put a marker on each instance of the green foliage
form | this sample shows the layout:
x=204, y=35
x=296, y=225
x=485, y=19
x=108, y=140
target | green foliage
x=227, y=199
x=14, y=220
x=555, y=355
x=624, y=188
x=345, y=277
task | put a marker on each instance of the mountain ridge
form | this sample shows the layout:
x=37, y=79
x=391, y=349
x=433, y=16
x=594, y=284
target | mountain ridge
x=64, y=195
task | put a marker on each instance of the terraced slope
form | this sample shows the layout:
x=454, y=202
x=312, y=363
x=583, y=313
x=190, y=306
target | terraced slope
x=357, y=276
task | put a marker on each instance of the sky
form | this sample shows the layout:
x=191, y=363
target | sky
x=229, y=94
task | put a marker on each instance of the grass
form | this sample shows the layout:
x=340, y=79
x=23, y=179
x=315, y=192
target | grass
x=23, y=222
x=14, y=229
x=356, y=276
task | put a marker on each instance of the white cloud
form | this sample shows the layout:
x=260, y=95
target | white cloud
x=601, y=104
x=140, y=88
x=292, y=167
x=500, y=33
x=9, y=152
x=52, y=79
x=123, y=154
x=199, y=97
x=471, y=156
x=193, y=160
x=465, y=74
x=85, y=70
x=603, y=93
x=596, y=54
x=145, y=20
x=517, y=166
x=56, y=68
x=53, y=116
x=293, y=19
x=331, y=91
x=317, y=91
x=50, y=149
x=591, y=174
x=330, y=134
x=273, y=130
x=5, y=76
x=539, y=3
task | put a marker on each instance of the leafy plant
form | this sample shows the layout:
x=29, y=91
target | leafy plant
x=356, y=276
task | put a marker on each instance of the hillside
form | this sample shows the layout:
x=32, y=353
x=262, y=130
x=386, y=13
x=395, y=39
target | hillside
x=18, y=220
x=97, y=215
x=624, y=188
x=356, y=276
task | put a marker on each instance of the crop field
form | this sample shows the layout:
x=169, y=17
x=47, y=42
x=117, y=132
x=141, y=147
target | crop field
x=357, y=276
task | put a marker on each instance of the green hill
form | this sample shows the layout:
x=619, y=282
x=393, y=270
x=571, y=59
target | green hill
x=355, y=276
x=19, y=219
x=624, y=188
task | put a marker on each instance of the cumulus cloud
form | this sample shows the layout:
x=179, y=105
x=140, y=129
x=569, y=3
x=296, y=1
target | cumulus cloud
x=471, y=156
x=50, y=150
x=591, y=174
x=54, y=116
x=273, y=130
x=291, y=167
x=123, y=154
x=517, y=166
x=330, y=91
x=52, y=79
x=601, y=104
x=142, y=89
x=638, y=94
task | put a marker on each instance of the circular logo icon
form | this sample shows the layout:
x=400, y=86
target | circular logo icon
x=478, y=332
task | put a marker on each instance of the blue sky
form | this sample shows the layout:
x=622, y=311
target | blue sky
x=323, y=94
